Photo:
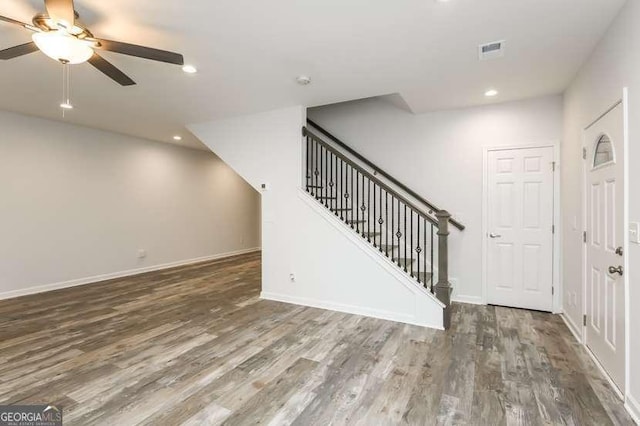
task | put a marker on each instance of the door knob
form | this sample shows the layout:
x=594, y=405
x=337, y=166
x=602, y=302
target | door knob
x=614, y=270
x=619, y=251
x=492, y=235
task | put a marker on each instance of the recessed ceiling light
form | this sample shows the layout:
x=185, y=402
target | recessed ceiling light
x=303, y=80
x=189, y=69
x=491, y=93
x=177, y=138
x=66, y=105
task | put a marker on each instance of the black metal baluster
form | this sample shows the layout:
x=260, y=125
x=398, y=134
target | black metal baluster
x=318, y=180
x=306, y=169
x=380, y=221
x=318, y=189
x=332, y=184
x=357, y=201
x=362, y=207
x=386, y=219
x=315, y=165
x=327, y=178
x=393, y=217
x=398, y=234
x=405, y=238
x=424, y=259
x=311, y=163
x=323, y=181
x=347, y=195
x=374, y=214
x=411, y=231
x=368, y=210
x=341, y=190
x=432, y=277
x=351, y=201
x=338, y=186
x=418, y=249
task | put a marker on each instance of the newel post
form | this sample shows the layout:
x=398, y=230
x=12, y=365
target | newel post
x=443, y=287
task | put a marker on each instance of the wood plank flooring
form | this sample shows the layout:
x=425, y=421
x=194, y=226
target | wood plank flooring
x=195, y=345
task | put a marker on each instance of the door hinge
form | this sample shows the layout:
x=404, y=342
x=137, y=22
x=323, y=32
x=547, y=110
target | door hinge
x=553, y=166
x=584, y=153
x=584, y=320
x=584, y=237
x=553, y=229
x=553, y=291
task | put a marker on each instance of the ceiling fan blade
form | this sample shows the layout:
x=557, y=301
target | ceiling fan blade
x=61, y=11
x=13, y=21
x=141, y=52
x=14, y=52
x=110, y=70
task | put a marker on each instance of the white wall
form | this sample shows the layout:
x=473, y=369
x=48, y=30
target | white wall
x=614, y=64
x=333, y=268
x=76, y=203
x=439, y=155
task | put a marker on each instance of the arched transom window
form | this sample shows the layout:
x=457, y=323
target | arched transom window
x=604, y=151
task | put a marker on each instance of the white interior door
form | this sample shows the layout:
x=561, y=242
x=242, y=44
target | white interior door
x=605, y=295
x=520, y=228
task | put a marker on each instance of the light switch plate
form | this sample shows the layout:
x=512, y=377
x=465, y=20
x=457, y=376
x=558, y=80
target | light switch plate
x=634, y=232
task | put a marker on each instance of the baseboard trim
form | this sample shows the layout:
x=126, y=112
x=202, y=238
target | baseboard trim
x=98, y=278
x=349, y=309
x=604, y=373
x=630, y=404
x=573, y=328
x=472, y=300
x=633, y=408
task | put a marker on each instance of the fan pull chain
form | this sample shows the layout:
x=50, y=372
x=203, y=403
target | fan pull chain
x=66, y=88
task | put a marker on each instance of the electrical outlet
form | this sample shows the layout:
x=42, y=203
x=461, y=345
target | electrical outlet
x=292, y=277
x=142, y=253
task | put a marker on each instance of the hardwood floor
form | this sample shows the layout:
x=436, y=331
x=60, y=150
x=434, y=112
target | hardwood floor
x=195, y=345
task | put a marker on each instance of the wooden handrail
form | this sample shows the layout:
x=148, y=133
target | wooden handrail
x=380, y=171
x=368, y=175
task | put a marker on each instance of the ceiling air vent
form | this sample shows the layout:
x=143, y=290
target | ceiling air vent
x=491, y=50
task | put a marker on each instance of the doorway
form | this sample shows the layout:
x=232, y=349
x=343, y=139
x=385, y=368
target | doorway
x=604, y=238
x=519, y=227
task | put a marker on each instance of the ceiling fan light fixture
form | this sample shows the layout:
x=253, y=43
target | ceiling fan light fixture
x=189, y=69
x=66, y=105
x=63, y=47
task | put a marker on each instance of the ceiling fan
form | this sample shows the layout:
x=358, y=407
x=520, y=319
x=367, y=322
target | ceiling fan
x=59, y=35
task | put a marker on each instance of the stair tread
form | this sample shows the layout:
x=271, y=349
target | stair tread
x=355, y=221
x=325, y=197
x=314, y=187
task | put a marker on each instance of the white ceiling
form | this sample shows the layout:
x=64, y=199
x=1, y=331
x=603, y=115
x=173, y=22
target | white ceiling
x=248, y=53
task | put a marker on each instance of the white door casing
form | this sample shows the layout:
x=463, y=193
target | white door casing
x=605, y=292
x=520, y=196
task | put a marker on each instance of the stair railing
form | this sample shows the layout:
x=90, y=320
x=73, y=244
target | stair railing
x=392, y=224
x=379, y=171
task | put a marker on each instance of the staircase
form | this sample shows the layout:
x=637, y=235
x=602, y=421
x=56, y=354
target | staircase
x=403, y=226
